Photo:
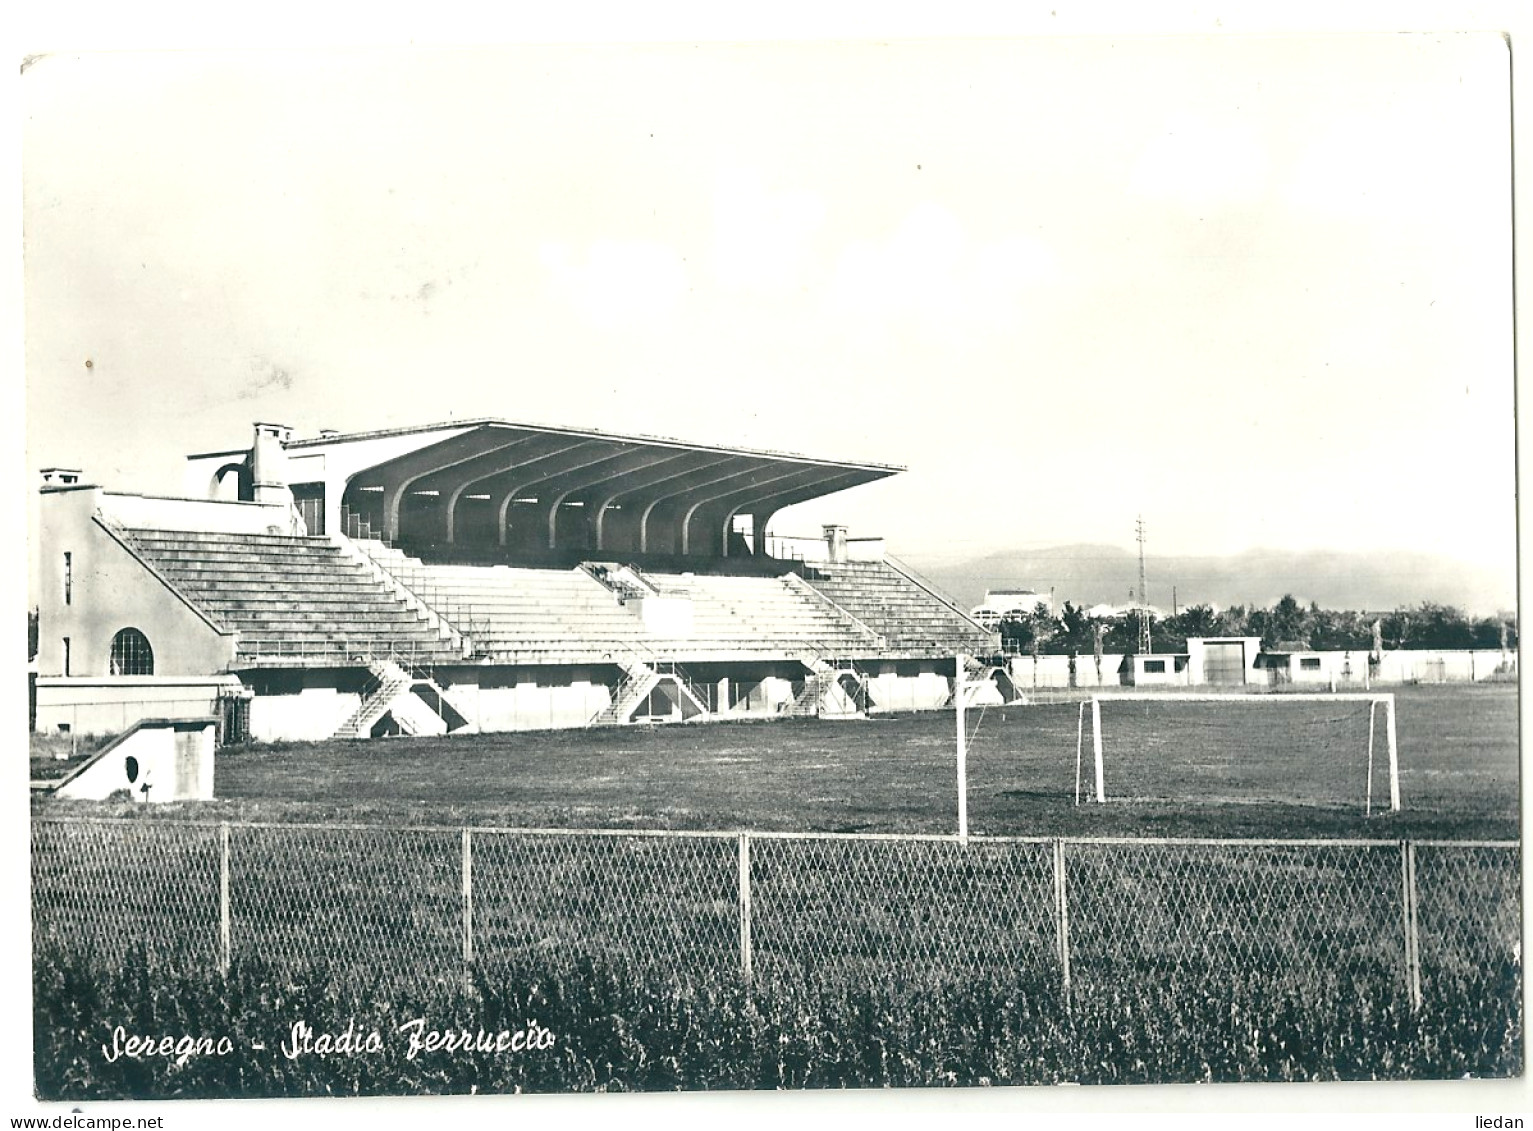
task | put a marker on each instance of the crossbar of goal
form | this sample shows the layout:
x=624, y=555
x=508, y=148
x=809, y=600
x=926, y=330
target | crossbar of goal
x=1373, y=699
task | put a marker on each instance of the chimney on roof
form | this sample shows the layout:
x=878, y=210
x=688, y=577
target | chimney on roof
x=60, y=476
x=328, y=433
x=835, y=544
x=268, y=463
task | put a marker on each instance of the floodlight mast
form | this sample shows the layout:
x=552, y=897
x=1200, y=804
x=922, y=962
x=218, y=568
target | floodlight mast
x=1146, y=646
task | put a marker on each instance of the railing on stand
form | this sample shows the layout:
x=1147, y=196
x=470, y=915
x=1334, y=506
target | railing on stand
x=413, y=578
x=911, y=575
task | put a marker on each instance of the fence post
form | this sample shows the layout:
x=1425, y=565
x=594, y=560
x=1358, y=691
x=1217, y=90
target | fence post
x=745, y=905
x=1368, y=803
x=225, y=933
x=1062, y=915
x=1394, y=757
x=1408, y=917
x=468, y=898
x=1080, y=732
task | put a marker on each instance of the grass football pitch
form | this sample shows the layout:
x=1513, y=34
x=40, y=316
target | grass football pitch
x=1266, y=769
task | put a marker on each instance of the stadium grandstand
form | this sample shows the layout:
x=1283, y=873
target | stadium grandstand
x=479, y=575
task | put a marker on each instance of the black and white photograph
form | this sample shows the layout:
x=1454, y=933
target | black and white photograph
x=958, y=563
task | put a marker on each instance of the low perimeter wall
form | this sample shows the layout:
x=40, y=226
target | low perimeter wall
x=1342, y=667
x=112, y=704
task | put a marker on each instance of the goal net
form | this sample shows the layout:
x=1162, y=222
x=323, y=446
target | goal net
x=1322, y=749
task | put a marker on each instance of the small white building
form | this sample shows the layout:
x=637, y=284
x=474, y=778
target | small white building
x=999, y=604
x=157, y=760
x=1296, y=664
x=1166, y=669
x=1223, y=660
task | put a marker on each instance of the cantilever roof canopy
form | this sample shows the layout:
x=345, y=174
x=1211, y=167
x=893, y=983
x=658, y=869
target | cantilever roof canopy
x=538, y=486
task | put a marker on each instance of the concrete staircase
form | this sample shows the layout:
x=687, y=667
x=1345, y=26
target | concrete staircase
x=392, y=681
x=829, y=692
x=640, y=681
x=986, y=685
x=398, y=693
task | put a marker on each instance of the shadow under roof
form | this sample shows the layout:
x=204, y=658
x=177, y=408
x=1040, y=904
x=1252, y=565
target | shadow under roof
x=508, y=461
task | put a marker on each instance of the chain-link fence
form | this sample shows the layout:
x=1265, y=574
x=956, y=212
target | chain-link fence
x=425, y=903
x=1148, y=909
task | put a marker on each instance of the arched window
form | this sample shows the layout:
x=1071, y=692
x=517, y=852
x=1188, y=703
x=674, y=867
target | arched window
x=131, y=654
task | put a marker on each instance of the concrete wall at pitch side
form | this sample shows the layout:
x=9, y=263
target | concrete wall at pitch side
x=302, y=705
x=910, y=685
x=112, y=704
x=157, y=761
x=1445, y=666
x=1040, y=672
x=528, y=698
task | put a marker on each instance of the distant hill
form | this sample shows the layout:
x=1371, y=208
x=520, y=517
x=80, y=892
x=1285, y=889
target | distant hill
x=1093, y=574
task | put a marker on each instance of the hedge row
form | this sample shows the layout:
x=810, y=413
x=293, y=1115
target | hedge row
x=587, y=1027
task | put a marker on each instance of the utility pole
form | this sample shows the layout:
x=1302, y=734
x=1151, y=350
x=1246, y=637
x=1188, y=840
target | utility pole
x=1144, y=612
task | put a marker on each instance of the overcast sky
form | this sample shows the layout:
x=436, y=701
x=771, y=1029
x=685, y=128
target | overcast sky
x=1257, y=289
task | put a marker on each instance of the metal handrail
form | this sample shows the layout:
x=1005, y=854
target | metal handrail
x=911, y=574
x=880, y=641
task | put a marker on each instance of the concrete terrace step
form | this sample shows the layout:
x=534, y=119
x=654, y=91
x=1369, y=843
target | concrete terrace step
x=272, y=639
x=293, y=626
x=272, y=582
x=253, y=589
x=323, y=606
x=276, y=555
x=354, y=641
x=281, y=622
x=232, y=543
x=297, y=567
x=219, y=538
x=275, y=583
x=250, y=578
x=521, y=600
x=353, y=654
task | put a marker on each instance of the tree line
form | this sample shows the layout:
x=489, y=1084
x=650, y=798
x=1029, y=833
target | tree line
x=1287, y=624
x=1428, y=625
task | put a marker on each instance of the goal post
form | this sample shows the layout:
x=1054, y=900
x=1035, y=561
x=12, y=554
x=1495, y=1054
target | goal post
x=1096, y=746
x=1097, y=788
